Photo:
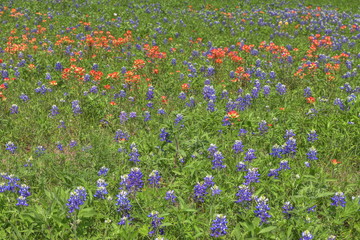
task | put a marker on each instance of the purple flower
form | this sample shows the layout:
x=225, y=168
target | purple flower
x=312, y=136
x=11, y=147
x=170, y=196
x=244, y=195
x=178, y=119
x=123, y=117
x=274, y=173
x=241, y=167
x=252, y=176
x=134, y=153
x=154, y=179
x=238, y=146
x=286, y=209
x=284, y=165
x=219, y=226
x=101, y=189
x=103, y=171
x=262, y=208
x=307, y=92
x=132, y=115
x=164, y=136
x=215, y=190
x=150, y=93
x=200, y=192
x=24, y=97
x=72, y=143
x=156, y=224
x=311, y=155
x=263, y=128
x=217, y=160
x=147, y=116
x=212, y=149
x=161, y=111
x=121, y=136
x=133, y=181
x=338, y=199
x=211, y=106
x=281, y=88
x=14, y=109
x=21, y=201
x=249, y=155
x=77, y=198
x=276, y=151
x=123, y=204
x=62, y=124
x=76, y=107
x=208, y=181
x=290, y=146
x=306, y=235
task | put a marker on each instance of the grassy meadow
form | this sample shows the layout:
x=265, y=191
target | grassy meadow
x=179, y=119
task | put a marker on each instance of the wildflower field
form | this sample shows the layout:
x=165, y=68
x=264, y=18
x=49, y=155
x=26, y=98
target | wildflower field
x=179, y=119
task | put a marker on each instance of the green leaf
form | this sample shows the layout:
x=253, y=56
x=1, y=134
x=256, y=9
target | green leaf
x=267, y=229
x=87, y=212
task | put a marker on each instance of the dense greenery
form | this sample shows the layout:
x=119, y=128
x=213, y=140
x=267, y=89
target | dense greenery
x=237, y=120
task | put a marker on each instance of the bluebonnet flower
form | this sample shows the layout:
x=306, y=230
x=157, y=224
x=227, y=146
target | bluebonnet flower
x=238, y=146
x=244, y=195
x=48, y=76
x=339, y=102
x=307, y=164
x=284, y=165
x=225, y=94
x=191, y=102
x=217, y=161
x=161, y=111
x=156, y=224
x=252, y=176
x=289, y=133
x=266, y=90
x=76, y=107
x=311, y=209
x=173, y=62
x=209, y=93
x=311, y=155
x=72, y=143
x=263, y=128
x=306, y=235
x=208, y=181
x=249, y=155
x=103, y=171
x=178, y=119
x=307, y=92
x=62, y=124
x=274, y=173
x=212, y=149
x=40, y=150
x=22, y=201
x=281, y=88
x=94, y=89
x=200, y=192
x=134, y=153
x=331, y=237
x=24, y=97
x=77, y=198
x=150, y=104
x=242, y=132
x=211, y=106
x=150, y=93
x=154, y=179
x=123, y=117
x=121, y=136
x=43, y=89
x=262, y=208
x=182, y=95
x=290, y=146
x=210, y=71
x=60, y=146
x=58, y=66
x=134, y=180
x=164, y=136
x=170, y=196
x=14, y=109
x=226, y=121
x=286, y=209
x=219, y=226
x=241, y=167
x=132, y=115
x=54, y=110
x=312, y=113
x=11, y=147
x=312, y=136
x=147, y=116
x=123, y=204
x=338, y=199
x=215, y=190
x=276, y=151
x=12, y=183
x=122, y=221
x=24, y=190
x=101, y=190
